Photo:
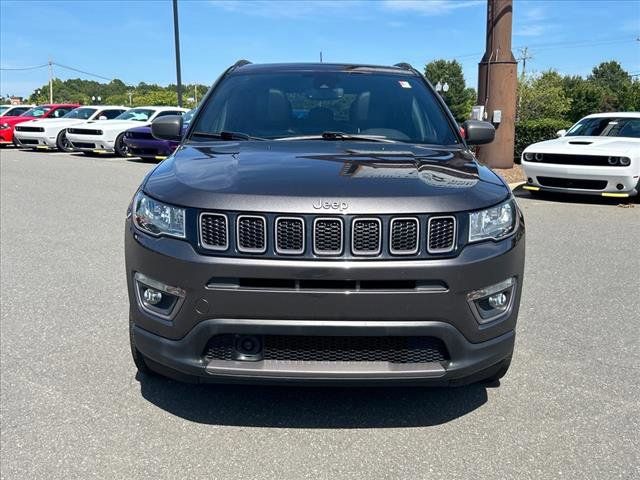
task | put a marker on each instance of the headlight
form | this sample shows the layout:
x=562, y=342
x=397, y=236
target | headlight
x=4, y=126
x=493, y=223
x=528, y=156
x=158, y=218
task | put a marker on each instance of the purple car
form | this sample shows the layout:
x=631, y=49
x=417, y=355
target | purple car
x=141, y=143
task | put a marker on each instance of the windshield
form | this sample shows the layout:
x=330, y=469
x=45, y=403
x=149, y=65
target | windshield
x=36, y=112
x=281, y=105
x=136, y=114
x=606, y=127
x=81, y=113
x=4, y=108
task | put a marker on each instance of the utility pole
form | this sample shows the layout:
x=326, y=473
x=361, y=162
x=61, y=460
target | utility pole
x=195, y=94
x=320, y=56
x=497, y=85
x=524, y=56
x=176, y=34
x=130, y=95
x=50, y=81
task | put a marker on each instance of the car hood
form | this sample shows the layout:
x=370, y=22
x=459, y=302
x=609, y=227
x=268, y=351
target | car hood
x=55, y=122
x=15, y=120
x=587, y=146
x=314, y=176
x=111, y=125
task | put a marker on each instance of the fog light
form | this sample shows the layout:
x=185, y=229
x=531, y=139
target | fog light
x=498, y=300
x=151, y=296
x=489, y=303
x=158, y=298
x=619, y=186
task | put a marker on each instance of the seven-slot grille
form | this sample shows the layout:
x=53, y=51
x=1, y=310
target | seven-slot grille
x=214, y=231
x=400, y=235
x=366, y=236
x=404, y=236
x=327, y=236
x=252, y=234
x=442, y=234
x=290, y=235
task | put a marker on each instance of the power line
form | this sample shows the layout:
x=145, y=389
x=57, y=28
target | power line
x=82, y=71
x=25, y=68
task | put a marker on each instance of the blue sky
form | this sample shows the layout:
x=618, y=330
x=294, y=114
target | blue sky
x=133, y=40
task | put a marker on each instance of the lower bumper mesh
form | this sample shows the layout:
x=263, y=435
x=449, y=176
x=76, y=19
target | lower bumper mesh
x=392, y=349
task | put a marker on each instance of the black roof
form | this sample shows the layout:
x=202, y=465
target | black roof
x=326, y=67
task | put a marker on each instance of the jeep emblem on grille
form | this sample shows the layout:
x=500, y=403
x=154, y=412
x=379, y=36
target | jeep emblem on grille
x=330, y=205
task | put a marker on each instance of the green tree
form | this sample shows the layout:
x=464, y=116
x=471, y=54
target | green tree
x=610, y=76
x=458, y=98
x=543, y=97
x=156, y=97
x=586, y=97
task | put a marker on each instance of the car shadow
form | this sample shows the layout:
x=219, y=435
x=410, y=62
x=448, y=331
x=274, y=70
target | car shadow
x=566, y=198
x=312, y=407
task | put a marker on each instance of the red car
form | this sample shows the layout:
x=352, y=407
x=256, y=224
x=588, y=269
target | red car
x=51, y=110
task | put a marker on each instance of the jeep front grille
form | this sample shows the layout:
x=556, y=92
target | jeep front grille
x=290, y=235
x=214, y=231
x=404, y=236
x=252, y=234
x=442, y=234
x=327, y=236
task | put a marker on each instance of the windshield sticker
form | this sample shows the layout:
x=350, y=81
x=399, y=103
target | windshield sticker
x=404, y=84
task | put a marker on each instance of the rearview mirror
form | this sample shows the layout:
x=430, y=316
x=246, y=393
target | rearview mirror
x=477, y=132
x=168, y=127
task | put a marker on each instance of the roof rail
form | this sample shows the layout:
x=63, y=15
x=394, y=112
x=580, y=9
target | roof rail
x=240, y=63
x=404, y=66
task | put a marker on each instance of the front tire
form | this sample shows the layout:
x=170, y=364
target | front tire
x=120, y=147
x=63, y=143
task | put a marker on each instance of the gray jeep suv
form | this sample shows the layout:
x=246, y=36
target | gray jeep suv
x=323, y=224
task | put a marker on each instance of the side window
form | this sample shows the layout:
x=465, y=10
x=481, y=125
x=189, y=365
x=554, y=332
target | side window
x=169, y=112
x=60, y=112
x=110, y=114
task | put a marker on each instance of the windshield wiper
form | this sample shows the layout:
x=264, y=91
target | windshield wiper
x=224, y=135
x=342, y=136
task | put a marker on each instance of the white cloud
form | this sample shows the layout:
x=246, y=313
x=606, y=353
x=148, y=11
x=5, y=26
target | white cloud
x=429, y=7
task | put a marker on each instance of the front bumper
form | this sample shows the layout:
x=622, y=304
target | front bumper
x=178, y=343
x=35, y=140
x=6, y=136
x=620, y=181
x=148, y=149
x=91, y=143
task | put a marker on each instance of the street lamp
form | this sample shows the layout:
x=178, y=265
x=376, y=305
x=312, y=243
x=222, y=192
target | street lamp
x=98, y=98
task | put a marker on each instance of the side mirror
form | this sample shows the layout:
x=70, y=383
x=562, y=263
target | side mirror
x=561, y=133
x=102, y=117
x=168, y=127
x=478, y=132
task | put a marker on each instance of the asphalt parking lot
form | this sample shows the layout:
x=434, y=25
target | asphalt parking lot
x=73, y=407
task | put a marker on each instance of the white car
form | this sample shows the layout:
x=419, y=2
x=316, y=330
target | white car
x=599, y=155
x=108, y=136
x=50, y=133
x=13, y=110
